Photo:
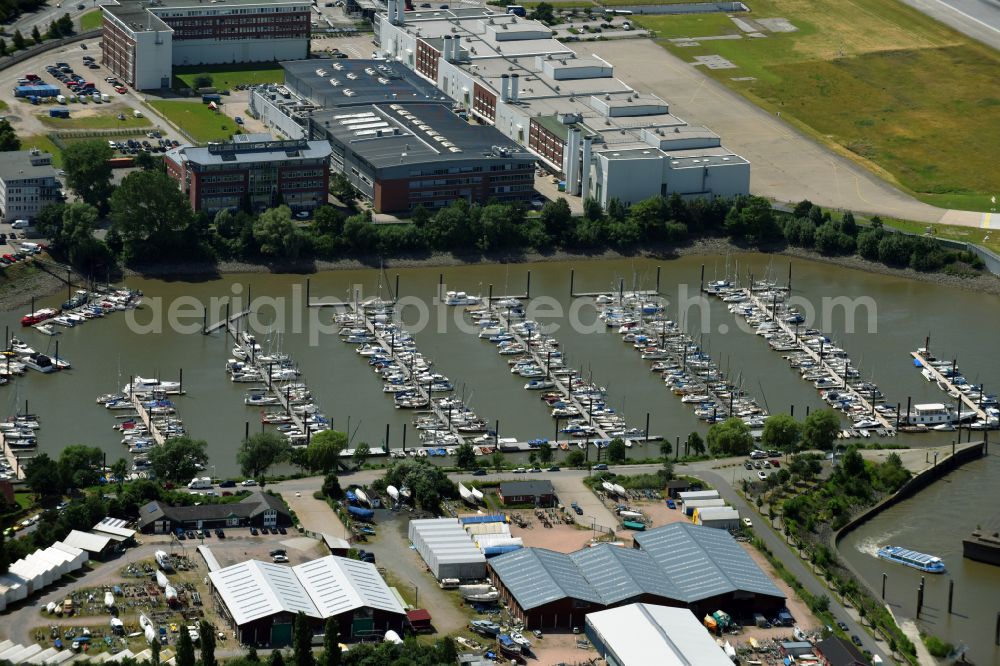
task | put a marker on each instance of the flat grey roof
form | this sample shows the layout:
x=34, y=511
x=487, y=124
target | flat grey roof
x=16, y=165
x=358, y=82
x=249, y=152
x=411, y=143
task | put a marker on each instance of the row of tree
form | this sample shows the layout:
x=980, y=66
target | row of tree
x=818, y=430
x=61, y=27
x=152, y=222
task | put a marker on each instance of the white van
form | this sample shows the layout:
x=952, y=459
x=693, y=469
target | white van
x=30, y=247
x=19, y=224
x=137, y=113
x=202, y=483
x=61, y=99
x=105, y=97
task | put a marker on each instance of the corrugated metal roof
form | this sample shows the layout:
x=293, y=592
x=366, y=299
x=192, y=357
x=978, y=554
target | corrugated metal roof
x=703, y=561
x=253, y=589
x=536, y=576
x=640, y=634
x=680, y=561
x=337, y=584
x=92, y=543
x=320, y=588
x=622, y=573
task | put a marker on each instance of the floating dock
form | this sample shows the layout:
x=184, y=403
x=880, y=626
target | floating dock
x=924, y=358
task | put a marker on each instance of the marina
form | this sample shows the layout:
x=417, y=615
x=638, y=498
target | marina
x=687, y=370
x=813, y=354
x=406, y=374
x=982, y=409
x=535, y=356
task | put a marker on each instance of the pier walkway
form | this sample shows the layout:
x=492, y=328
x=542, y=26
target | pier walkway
x=941, y=379
x=543, y=362
x=842, y=383
x=284, y=397
x=357, y=309
x=12, y=457
x=147, y=419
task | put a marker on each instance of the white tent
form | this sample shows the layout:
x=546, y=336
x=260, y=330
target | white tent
x=78, y=556
x=60, y=657
x=25, y=653
x=12, y=588
x=58, y=559
x=10, y=652
x=40, y=658
x=29, y=571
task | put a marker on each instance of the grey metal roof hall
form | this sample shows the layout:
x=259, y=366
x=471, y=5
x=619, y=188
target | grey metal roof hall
x=536, y=576
x=704, y=562
x=683, y=562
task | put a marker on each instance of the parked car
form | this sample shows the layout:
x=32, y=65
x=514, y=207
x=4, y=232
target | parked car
x=748, y=465
x=227, y=484
x=278, y=551
x=280, y=559
x=671, y=504
x=856, y=639
x=479, y=472
x=554, y=468
x=253, y=531
x=520, y=470
x=249, y=482
x=747, y=522
x=219, y=533
x=762, y=475
x=600, y=466
x=775, y=463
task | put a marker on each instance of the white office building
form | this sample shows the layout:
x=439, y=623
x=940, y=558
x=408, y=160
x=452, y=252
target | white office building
x=605, y=138
x=27, y=184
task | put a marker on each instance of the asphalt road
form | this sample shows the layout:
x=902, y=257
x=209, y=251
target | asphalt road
x=978, y=19
x=49, y=13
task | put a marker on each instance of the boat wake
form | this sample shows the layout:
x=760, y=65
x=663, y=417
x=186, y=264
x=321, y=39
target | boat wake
x=870, y=545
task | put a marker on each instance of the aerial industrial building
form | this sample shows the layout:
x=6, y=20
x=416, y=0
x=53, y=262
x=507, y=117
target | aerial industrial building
x=261, y=599
x=141, y=42
x=683, y=565
x=394, y=136
x=606, y=139
x=253, y=171
x=641, y=634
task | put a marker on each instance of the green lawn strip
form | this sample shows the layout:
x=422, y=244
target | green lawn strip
x=94, y=122
x=882, y=83
x=688, y=25
x=200, y=122
x=226, y=77
x=43, y=143
x=91, y=20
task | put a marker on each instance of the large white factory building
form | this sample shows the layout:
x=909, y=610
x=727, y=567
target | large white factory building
x=606, y=139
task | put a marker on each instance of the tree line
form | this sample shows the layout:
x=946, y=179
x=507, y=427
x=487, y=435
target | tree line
x=152, y=222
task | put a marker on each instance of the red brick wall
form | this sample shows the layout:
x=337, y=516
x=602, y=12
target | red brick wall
x=545, y=143
x=117, y=49
x=484, y=102
x=427, y=60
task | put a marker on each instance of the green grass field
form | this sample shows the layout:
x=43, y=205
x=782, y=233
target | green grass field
x=881, y=83
x=229, y=76
x=197, y=120
x=689, y=25
x=102, y=121
x=44, y=144
x=90, y=21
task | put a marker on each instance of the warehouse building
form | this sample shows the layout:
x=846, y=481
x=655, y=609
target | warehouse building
x=143, y=41
x=719, y=517
x=603, y=137
x=394, y=136
x=255, y=510
x=261, y=599
x=536, y=493
x=252, y=172
x=98, y=547
x=682, y=565
x=447, y=549
x=642, y=634
x=37, y=571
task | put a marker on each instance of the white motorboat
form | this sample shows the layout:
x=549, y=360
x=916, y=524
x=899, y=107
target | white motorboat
x=460, y=298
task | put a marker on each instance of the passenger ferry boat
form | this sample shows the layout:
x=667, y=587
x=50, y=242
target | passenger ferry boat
x=911, y=558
